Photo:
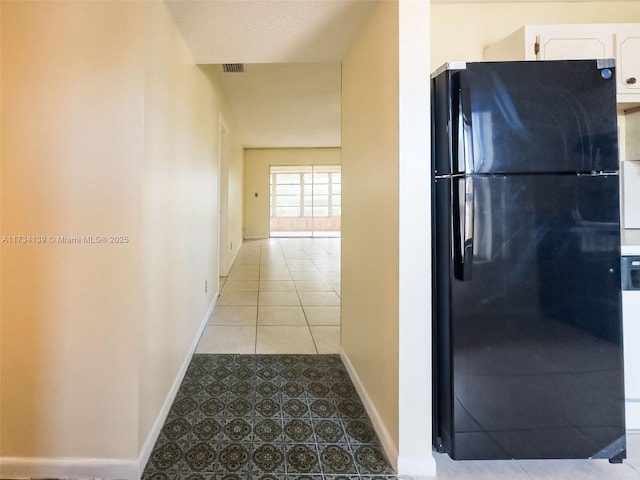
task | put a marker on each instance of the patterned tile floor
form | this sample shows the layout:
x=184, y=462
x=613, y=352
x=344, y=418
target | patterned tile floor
x=267, y=417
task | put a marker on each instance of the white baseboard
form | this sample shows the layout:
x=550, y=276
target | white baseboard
x=230, y=264
x=416, y=468
x=27, y=468
x=255, y=238
x=152, y=437
x=103, y=468
x=388, y=445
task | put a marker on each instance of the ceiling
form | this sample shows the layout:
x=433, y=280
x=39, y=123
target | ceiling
x=285, y=104
x=289, y=93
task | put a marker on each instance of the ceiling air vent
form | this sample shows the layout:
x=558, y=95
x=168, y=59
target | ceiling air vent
x=233, y=67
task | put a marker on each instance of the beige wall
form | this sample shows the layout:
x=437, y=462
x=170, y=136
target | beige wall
x=256, y=180
x=109, y=129
x=370, y=214
x=461, y=31
x=231, y=175
x=73, y=100
x=179, y=208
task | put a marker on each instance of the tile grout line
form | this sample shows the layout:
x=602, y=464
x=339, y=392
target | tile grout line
x=255, y=344
x=295, y=285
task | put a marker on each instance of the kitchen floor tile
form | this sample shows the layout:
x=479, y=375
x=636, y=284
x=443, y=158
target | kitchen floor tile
x=578, y=470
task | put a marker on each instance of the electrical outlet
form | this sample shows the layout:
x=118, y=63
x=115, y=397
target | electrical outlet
x=205, y=286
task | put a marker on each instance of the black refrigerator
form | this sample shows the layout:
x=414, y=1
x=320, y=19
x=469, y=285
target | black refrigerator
x=527, y=325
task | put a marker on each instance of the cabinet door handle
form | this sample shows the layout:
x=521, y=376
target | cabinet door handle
x=631, y=81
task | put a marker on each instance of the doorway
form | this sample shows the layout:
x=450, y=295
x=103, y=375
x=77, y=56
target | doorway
x=305, y=200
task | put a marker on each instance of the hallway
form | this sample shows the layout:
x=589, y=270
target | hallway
x=242, y=416
x=282, y=295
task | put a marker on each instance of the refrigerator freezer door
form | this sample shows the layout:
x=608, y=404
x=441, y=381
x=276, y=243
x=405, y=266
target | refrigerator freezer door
x=538, y=117
x=529, y=349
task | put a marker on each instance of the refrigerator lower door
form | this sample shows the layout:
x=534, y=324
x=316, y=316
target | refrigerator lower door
x=529, y=358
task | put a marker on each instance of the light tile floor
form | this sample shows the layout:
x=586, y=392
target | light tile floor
x=282, y=295
x=544, y=469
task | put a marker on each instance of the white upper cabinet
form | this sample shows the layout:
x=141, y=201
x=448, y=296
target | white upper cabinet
x=579, y=41
x=564, y=45
x=627, y=42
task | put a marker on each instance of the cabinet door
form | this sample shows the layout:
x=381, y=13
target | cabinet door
x=628, y=48
x=568, y=46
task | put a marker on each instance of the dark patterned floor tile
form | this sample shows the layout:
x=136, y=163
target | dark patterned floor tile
x=318, y=390
x=229, y=476
x=337, y=459
x=150, y=474
x=360, y=431
x=302, y=458
x=295, y=408
x=235, y=458
x=208, y=430
x=201, y=457
x=194, y=476
x=341, y=477
x=350, y=408
x=305, y=477
x=329, y=431
x=344, y=389
x=167, y=457
x=323, y=408
x=267, y=408
x=259, y=416
x=237, y=429
x=267, y=390
x=271, y=476
x=239, y=407
x=191, y=388
x=292, y=389
x=378, y=477
x=214, y=406
x=242, y=389
x=269, y=459
x=216, y=388
x=298, y=430
x=292, y=374
x=370, y=460
x=268, y=430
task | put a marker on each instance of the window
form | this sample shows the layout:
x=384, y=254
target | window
x=305, y=200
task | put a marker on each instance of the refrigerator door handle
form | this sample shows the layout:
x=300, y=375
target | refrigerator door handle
x=463, y=224
x=465, y=130
x=467, y=245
